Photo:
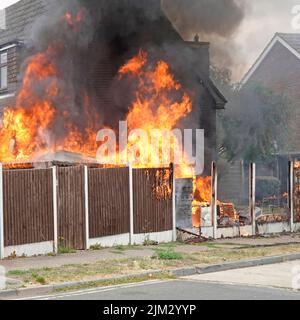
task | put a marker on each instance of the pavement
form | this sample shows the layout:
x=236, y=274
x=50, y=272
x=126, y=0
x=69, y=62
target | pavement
x=279, y=275
x=81, y=257
x=267, y=282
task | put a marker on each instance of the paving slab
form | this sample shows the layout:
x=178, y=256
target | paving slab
x=279, y=275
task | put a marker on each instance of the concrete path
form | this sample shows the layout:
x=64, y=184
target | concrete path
x=281, y=275
x=263, y=241
x=81, y=257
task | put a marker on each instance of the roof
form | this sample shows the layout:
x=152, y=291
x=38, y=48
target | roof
x=19, y=17
x=290, y=41
x=216, y=94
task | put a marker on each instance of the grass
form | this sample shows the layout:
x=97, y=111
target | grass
x=168, y=254
x=65, y=250
x=120, y=281
x=96, y=247
x=165, y=257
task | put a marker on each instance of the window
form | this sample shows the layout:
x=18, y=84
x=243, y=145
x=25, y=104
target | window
x=3, y=71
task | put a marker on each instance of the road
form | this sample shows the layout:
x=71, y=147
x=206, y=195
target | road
x=272, y=282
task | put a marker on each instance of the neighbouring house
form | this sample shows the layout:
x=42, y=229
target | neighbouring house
x=189, y=60
x=278, y=69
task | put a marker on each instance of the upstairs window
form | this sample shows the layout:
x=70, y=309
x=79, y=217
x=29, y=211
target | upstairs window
x=3, y=71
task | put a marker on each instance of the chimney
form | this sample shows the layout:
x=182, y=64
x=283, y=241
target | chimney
x=200, y=57
x=2, y=19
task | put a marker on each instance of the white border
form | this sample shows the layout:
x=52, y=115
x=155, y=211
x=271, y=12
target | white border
x=160, y=237
x=32, y=249
x=110, y=241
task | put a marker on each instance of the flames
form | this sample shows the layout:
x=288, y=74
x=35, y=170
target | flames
x=73, y=20
x=154, y=108
x=27, y=133
x=24, y=127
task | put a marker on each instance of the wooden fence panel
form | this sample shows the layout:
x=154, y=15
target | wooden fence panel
x=71, y=207
x=152, y=200
x=108, y=202
x=28, y=206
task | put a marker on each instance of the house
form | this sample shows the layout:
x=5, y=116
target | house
x=278, y=69
x=189, y=60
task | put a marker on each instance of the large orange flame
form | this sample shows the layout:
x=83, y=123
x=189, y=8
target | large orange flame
x=155, y=108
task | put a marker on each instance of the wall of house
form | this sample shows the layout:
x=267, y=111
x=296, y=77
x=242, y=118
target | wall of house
x=280, y=71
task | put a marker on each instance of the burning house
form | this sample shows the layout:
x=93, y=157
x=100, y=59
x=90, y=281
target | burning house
x=70, y=68
x=100, y=38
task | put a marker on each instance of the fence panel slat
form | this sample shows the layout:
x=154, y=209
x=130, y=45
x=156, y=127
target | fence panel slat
x=152, y=200
x=28, y=206
x=108, y=202
x=71, y=207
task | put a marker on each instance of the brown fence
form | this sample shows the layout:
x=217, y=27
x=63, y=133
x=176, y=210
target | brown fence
x=152, y=200
x=27, y=206
x=71, y=207
x=296, y=195
x=29, y=212
x=109, y=212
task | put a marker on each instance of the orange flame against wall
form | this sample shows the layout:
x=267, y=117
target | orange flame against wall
x=202, y=191
x=154, y=108
x=26, y=132
x=26, y=128
x=297, y=164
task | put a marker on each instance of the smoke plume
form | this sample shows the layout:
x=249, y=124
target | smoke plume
x=215, y=21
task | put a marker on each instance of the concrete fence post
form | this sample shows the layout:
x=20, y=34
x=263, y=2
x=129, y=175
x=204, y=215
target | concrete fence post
x=174, y=236
x=131, y=220
x=291, y=194
x=252, y=187
x=214, y=198
x=1, y=215
x=55, y=219
x=86, y=207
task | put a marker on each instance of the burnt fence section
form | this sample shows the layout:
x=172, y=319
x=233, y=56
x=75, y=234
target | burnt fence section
x=152, y=200
x=71, y=207
x=27, y=206
x=109, y=208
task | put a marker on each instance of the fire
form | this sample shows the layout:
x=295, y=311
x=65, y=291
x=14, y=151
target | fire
x=24, y=127
x=297, y=165
x=73, y=19
x=202, y=190
x=154, y=108
x=26, y=131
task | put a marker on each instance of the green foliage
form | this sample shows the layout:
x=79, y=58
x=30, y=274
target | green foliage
x=267, y=187
x=96, y=247
x=168, y=254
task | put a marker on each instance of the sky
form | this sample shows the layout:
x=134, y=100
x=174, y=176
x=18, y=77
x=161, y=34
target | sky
x=6, y=3
x=263, y=18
